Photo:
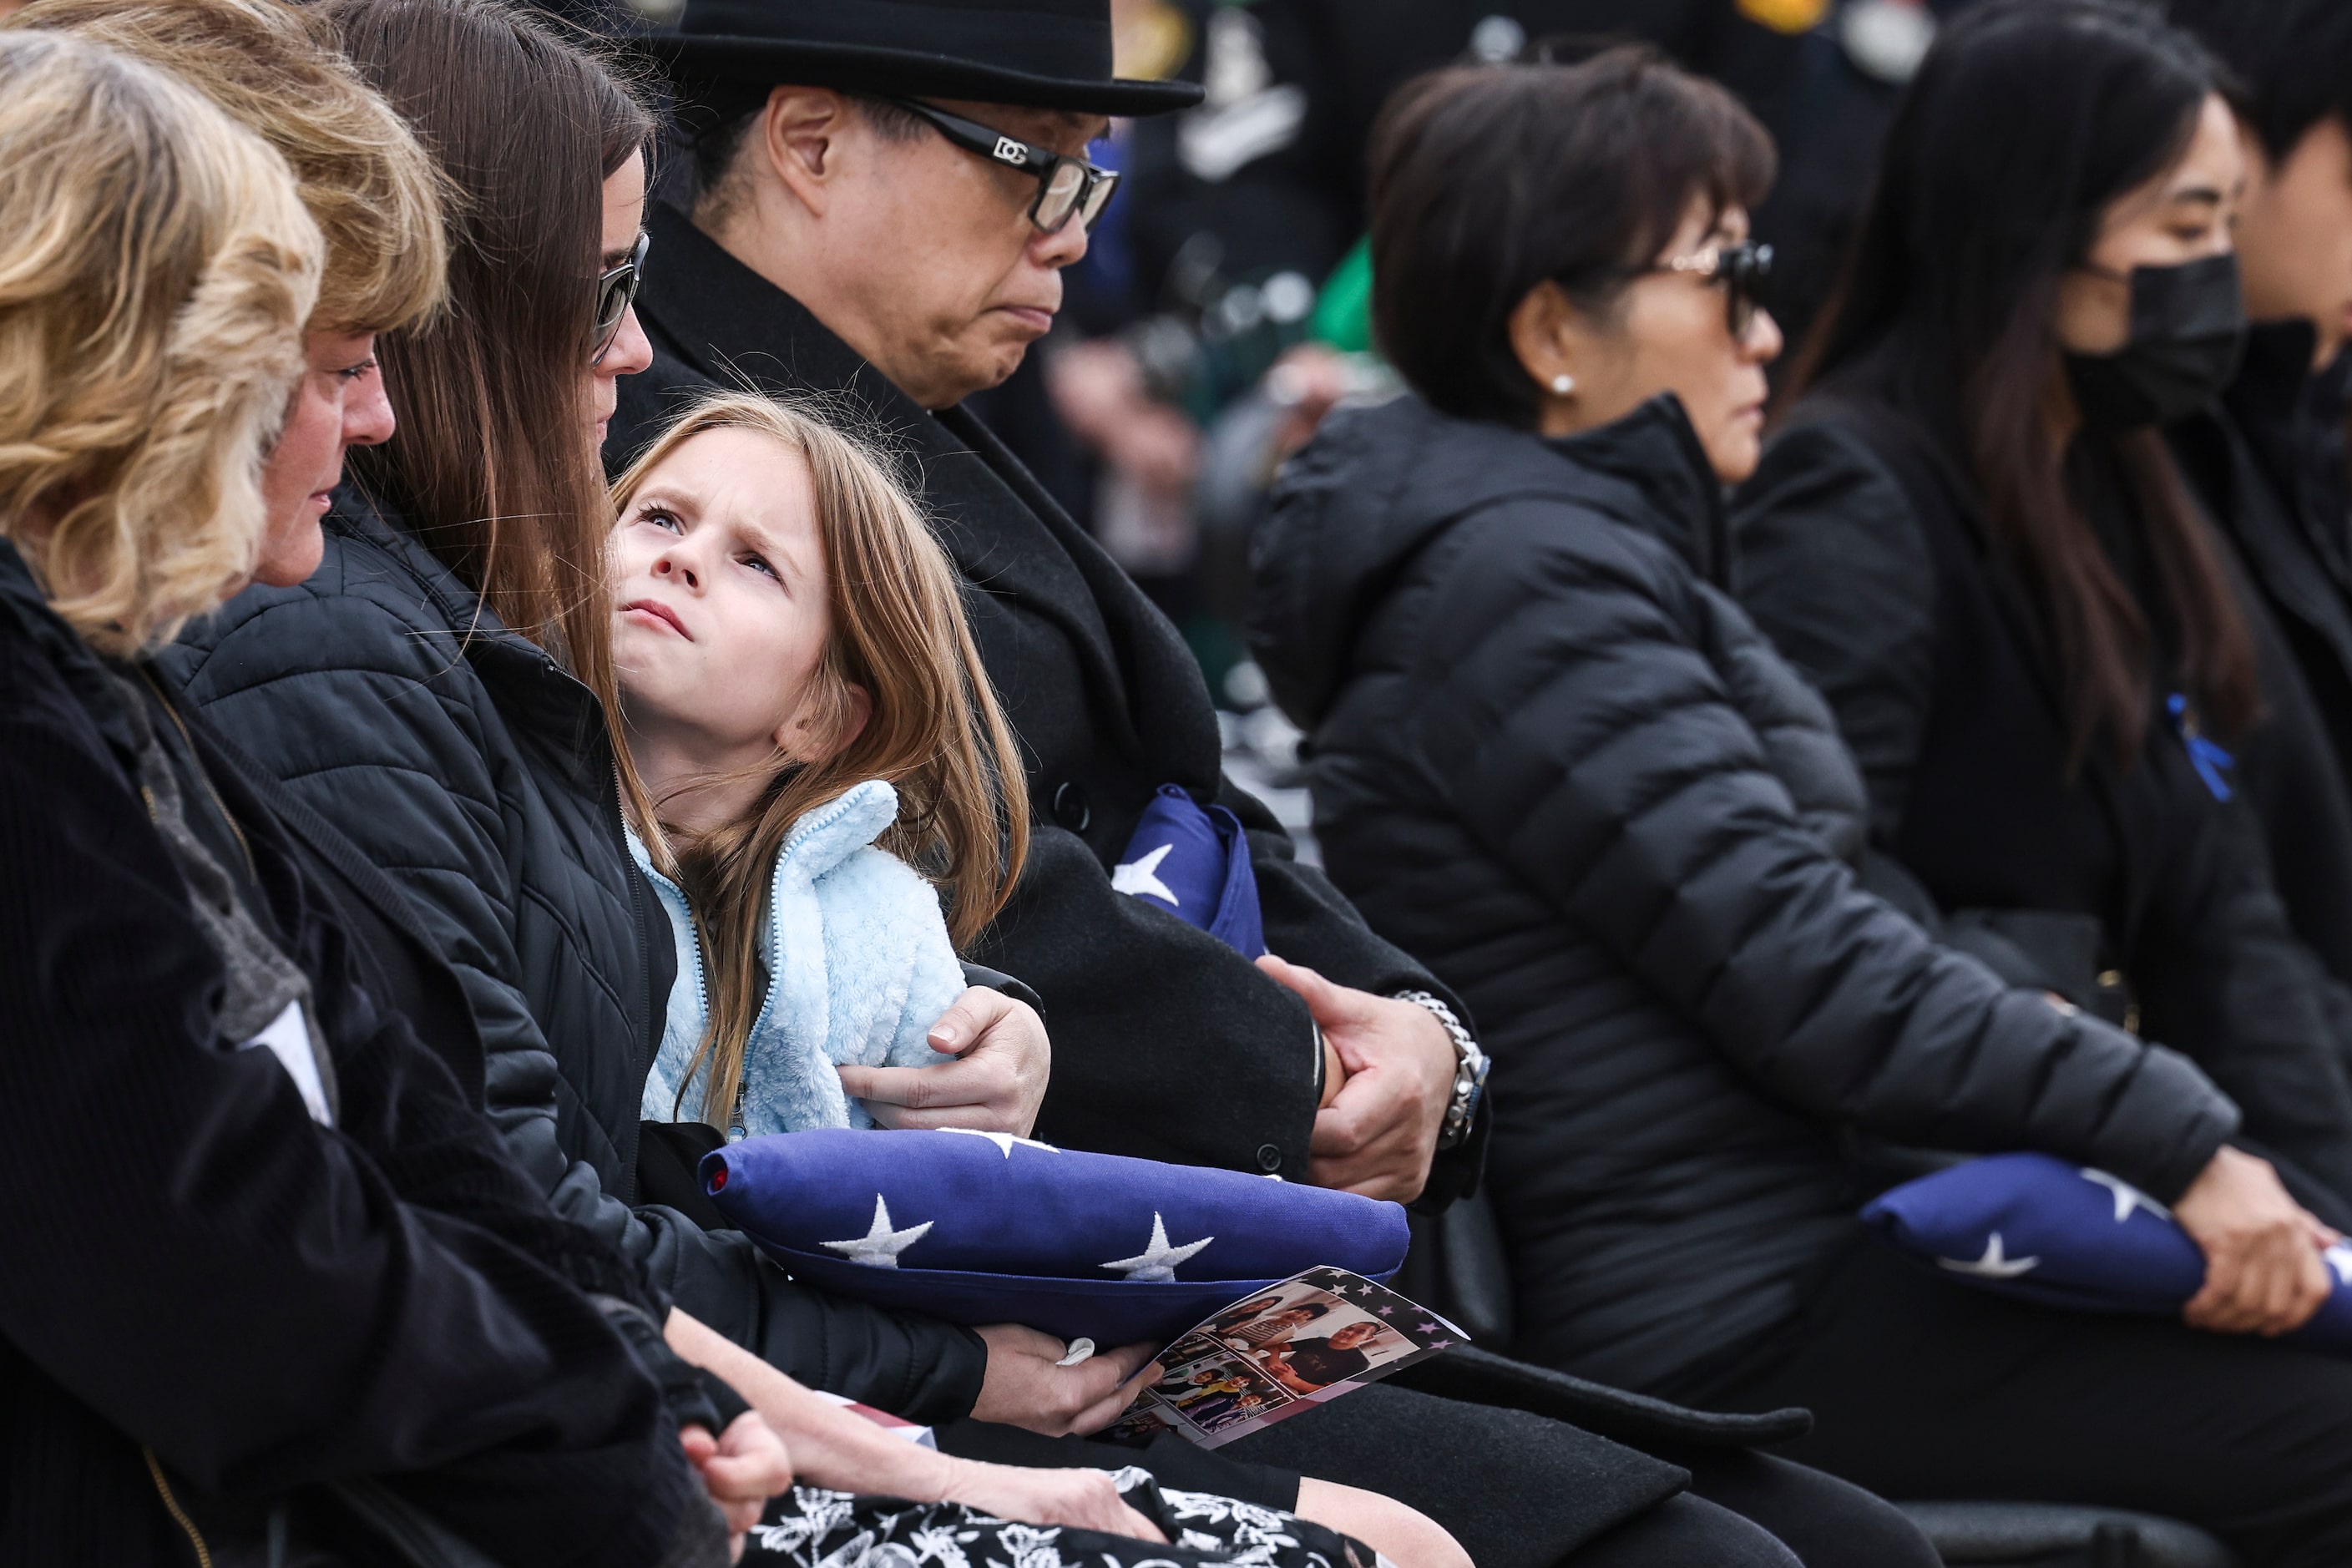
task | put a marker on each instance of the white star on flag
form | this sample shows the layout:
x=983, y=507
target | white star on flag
x=1003, y=1140
x=2127, y=1198
x=881, y=1246
x=1158, y=1260
x=1142, y=877
x=1993, y=1264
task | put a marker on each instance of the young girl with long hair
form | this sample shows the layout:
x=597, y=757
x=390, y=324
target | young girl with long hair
x=820, y=743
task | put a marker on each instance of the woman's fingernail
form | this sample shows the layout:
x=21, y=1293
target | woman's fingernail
x=947, y=1035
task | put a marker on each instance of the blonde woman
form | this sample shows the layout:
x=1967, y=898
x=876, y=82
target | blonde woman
x=370, y=188
x=260, y=1249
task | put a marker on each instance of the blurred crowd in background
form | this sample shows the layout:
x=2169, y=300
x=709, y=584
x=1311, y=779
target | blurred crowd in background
x=1222, y=307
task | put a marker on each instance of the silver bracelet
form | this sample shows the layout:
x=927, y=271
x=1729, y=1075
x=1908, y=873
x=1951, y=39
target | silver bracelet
x=1470, y=1066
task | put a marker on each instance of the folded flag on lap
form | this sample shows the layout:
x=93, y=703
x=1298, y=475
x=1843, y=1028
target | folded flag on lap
x=984, y=1227
x=2066, y=1236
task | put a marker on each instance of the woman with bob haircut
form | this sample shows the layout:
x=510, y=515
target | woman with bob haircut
x=1554, y=759
x=269, y=1274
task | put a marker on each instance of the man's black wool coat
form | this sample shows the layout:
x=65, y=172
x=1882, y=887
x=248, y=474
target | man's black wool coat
x=1167, y=1043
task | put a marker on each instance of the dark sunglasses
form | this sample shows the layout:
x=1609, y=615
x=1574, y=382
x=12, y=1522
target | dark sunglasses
x=1740, y=269
x=617, y=291
x=1067, y=187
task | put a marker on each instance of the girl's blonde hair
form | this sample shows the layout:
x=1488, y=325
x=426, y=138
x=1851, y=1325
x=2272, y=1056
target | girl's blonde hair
x=156, y=268
x=935, y=735
x=274, y=68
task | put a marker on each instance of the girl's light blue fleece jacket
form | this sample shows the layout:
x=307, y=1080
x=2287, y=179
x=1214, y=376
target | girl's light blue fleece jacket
x=859, y=968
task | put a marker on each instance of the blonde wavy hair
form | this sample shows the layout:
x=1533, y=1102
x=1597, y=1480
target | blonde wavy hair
x=373, y=192
x=935, y=734
x=156, y=268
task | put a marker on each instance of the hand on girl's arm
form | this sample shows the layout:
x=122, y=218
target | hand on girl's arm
x=836, y=1448
x=995, y=1083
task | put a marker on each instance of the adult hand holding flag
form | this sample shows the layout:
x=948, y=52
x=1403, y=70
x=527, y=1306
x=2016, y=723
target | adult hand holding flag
x=2237, y=1256
x=2263, y=1274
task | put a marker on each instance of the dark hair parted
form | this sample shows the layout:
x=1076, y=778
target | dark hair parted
x=495, y=464
x=2289, y=61
x=1489, y=180
x=2026, y=123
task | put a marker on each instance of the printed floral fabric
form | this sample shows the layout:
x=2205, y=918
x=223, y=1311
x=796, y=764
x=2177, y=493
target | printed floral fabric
x=812, y=1528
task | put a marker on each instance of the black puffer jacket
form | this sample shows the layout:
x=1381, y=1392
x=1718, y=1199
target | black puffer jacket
x=466, y=763
x=1552, y=759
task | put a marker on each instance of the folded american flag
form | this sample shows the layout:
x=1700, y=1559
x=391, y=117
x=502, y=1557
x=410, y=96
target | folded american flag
x=984, y=1227
x=2067, y=1235
x=1194, y=863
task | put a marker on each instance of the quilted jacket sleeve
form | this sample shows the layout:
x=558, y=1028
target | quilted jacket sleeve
x=377, y=721
x=1586, y=740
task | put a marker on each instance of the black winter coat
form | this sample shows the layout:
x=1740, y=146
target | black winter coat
x=1167, y=1043
x=464, y=761
x=2268, y=462
x=1860, y=555
x=1551, y=756
x=194, y=1264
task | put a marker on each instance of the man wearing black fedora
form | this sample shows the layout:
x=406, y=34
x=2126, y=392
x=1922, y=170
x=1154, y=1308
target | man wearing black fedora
x=888, y=191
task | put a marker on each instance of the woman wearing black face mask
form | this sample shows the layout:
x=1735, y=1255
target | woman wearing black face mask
x=1971, y=536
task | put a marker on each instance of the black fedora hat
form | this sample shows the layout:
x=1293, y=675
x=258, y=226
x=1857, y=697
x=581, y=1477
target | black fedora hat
x=1047, y=54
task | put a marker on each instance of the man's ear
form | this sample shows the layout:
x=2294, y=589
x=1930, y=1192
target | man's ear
x=800, y=136
x=799, y=737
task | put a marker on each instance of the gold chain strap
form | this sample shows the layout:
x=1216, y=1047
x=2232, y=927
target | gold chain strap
x=179, y=1515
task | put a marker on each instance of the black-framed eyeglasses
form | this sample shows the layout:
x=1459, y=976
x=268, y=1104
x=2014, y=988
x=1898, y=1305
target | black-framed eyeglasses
x=617, y=291
x=1067, y=187
x=1740, y=269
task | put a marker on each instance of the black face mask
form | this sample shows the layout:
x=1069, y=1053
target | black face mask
x=2188, y=325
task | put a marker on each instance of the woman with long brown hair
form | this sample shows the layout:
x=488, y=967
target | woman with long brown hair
x=1973, y=540
x=433, y=691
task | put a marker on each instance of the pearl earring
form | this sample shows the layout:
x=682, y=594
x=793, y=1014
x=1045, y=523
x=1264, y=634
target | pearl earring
x=1563, y=383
